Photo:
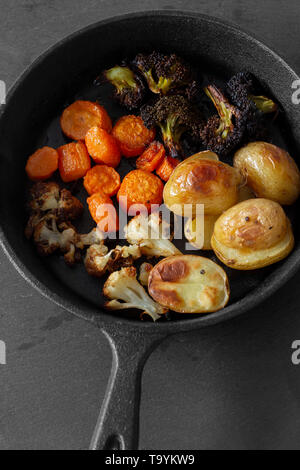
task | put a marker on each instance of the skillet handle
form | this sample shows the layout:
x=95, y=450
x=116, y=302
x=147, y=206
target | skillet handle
x=118, y=423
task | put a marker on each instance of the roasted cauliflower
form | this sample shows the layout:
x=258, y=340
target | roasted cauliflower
x=145, y=271
x=152, y=235
x=123, y=285
x=98, y=260
x=48, y=198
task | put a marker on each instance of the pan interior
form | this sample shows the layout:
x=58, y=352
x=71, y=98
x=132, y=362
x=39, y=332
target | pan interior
x=31, y=120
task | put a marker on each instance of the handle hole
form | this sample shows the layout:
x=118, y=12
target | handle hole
x=114, y=442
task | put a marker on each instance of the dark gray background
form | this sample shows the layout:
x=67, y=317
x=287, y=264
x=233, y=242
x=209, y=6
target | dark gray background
x=231, y=386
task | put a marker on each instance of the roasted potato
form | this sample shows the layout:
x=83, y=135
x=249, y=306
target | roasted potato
x=189, y=284
x=198, y=231
x=198, y=181
x=270, y=171
x=245, y=193
x=252, y=234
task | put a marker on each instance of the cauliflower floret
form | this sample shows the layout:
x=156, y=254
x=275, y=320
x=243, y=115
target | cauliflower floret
x=68, y=207
x=145, y=271
x=44, y=196
x=48, y=198
x=123, y=285
x=98, y=261
x=152, y=235
x=94, y=237
x=49, y=239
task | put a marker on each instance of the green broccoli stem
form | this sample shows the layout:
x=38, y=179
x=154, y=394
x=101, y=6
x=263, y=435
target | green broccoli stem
x=171, y=134
x=224, y=110
x=264, y=104
x=162, y=86
x=121, y=77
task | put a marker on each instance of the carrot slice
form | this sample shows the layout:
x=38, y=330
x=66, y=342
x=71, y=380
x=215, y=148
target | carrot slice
x=80, y=116
x=103, y=212
x=74, y=161
x=132, y=135
x=166, y=168
x=102, y=178
x=42, y=164
x=152, y=157
x=142, y=188
x=102, y=147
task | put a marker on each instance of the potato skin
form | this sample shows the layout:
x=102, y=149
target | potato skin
x=200, y=236
x=252, y=234
x=199, y=180
x=270, y=171
x=189, y=284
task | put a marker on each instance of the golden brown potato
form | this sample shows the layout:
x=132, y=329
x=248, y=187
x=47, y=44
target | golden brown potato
x=199, y=180
x=270, y=171
x=189, y=284
x=198, y=231
x=245, y=193
x=252, y=234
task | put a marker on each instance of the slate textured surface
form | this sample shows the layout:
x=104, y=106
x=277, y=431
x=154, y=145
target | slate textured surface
x=228, y=387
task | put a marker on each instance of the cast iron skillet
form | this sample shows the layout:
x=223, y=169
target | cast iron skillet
x=30, y=118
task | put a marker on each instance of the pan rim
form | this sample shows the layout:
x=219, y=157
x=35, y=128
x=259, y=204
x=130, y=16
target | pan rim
x=101, y=318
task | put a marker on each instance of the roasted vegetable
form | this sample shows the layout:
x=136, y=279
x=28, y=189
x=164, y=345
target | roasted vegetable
x=269, y=171
x=198, y=231
x=102, y=147
x=48, y=239
x=74, y=161
x=102, y=178
x=80, y=116
x=123, y=285
x=152, y=235
x=241, y=90
x=141, y=189
x=42, y=164
x=166, y=73
x=174, y=115
x=223, y=132
x=189, y=284
x=48, y=198
x=200, y=185
x=145, y=270
x=132, y=135
x=98, y=260
x=103, y=212
x=129, y=88
x=152, y=157
x=253, y=234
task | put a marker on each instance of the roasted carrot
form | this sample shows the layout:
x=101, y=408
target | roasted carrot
x=74, y=161
x=102, y=178
x=80, y=116
x=102, y=147
x=132, y=135
x=152, y=157
x=166, y=168
x=141, y=188
x=103, y=212
x=42, y=164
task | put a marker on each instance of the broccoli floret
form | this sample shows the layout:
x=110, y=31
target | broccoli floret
x=166, y=73
x=129, y=88
x=243, y=89
x=174, y=115
x=223, y=132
